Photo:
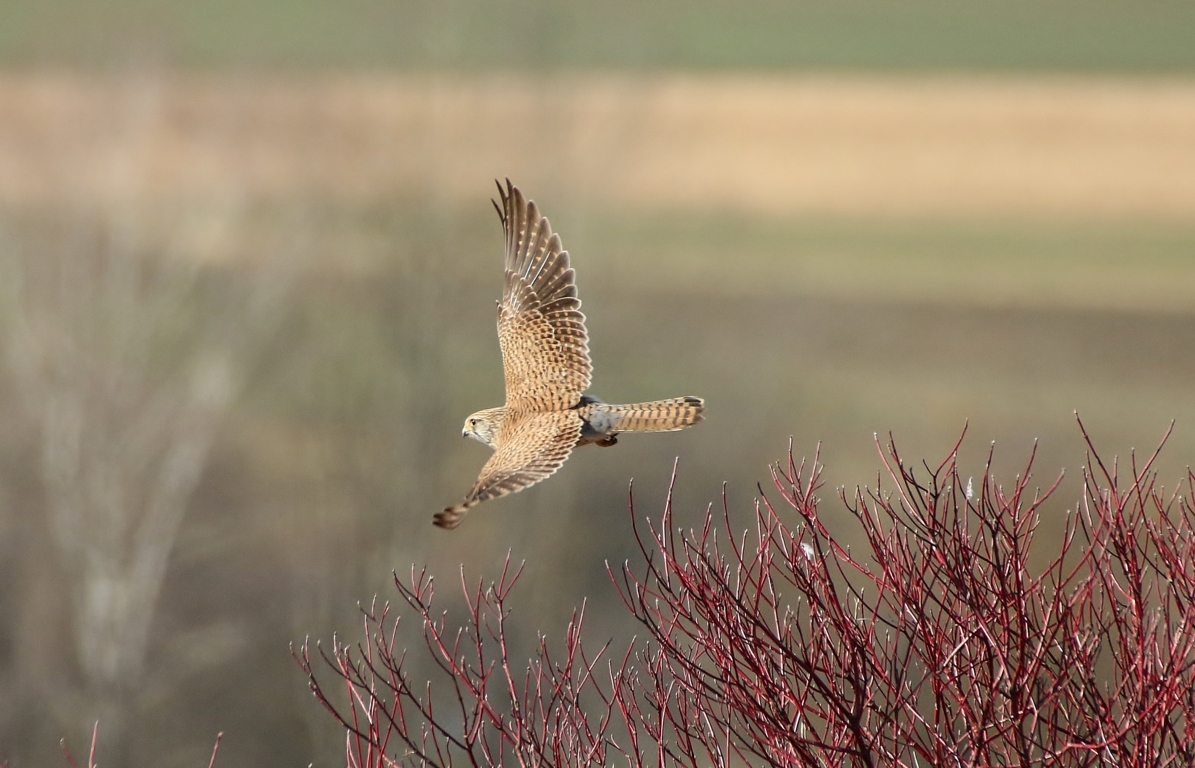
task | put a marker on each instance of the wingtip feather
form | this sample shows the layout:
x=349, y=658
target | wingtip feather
x=451, y=516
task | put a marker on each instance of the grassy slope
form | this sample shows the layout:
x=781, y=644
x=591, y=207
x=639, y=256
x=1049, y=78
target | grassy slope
x=1095, y=267
x=1118, y=35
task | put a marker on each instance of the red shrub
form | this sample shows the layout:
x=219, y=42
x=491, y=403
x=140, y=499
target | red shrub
x=937, y=646
x=491, y=709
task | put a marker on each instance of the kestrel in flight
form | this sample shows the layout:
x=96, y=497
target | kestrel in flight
x=545, y=355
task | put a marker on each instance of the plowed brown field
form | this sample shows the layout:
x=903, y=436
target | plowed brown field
x=932, y=147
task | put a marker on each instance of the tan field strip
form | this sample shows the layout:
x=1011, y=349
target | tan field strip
x=928, y=147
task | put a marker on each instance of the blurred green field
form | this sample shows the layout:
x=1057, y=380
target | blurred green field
x=1131, y=267
x=1144, y=36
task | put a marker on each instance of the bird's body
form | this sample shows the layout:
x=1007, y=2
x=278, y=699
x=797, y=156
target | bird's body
x=545, y=356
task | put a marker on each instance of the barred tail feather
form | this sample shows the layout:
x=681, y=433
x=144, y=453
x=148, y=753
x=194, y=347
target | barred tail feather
x=659, y=415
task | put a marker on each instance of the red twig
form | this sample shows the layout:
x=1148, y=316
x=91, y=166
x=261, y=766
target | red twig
x=95, y=732
x=215, y=749
x=70, y=759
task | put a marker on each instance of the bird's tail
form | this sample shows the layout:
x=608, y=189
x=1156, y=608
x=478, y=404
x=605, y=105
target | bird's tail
x=658, y=415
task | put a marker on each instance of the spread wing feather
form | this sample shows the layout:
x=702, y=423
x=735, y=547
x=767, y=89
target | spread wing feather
x=536, y=447
x=545, y=356
x=545, y=347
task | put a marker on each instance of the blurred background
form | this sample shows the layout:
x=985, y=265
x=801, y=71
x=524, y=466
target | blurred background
x=248, y=266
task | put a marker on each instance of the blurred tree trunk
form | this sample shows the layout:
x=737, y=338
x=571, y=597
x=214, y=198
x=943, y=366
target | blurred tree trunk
x=126, y=356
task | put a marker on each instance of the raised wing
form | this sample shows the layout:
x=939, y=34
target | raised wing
x=533, y=450
x=545, y=347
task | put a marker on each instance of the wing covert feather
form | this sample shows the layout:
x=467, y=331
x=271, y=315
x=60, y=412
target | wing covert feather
x=533, y=450
x=545, y=346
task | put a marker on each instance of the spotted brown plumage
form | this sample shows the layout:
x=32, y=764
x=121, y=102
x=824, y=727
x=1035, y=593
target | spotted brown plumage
x=545, y=356
x=545, y=348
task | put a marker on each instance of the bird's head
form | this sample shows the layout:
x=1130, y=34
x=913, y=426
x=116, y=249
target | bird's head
x=483, y=425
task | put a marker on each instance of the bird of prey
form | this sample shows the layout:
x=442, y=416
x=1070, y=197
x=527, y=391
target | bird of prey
x=545, y=355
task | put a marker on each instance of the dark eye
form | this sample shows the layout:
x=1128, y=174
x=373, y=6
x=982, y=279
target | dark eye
x=472, y=422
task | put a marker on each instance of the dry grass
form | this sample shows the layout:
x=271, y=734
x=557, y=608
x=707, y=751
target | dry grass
x=915, y=147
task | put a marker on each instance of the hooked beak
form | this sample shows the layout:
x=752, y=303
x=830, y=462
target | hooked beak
x=464, y=433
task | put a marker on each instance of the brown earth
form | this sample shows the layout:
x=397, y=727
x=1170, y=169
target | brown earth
x=907, y=147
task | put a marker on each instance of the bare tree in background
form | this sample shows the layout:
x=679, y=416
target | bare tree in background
x=127, y=352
